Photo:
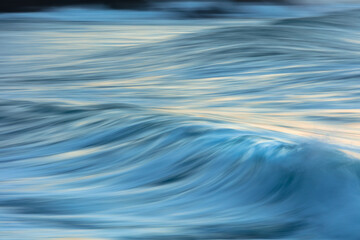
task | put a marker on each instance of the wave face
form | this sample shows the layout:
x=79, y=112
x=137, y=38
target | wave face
x=171, y=129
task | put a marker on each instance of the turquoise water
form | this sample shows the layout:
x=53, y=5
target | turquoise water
x=147, y=127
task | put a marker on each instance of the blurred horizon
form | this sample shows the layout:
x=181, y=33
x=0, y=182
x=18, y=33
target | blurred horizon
x=215, y=5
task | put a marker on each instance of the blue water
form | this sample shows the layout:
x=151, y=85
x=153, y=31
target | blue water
x=123, y=125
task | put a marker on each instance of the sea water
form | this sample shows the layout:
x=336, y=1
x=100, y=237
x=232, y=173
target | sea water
x=142, y=125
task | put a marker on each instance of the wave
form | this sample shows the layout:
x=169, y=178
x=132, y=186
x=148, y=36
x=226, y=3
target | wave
x=195, y=135
x=111, y=167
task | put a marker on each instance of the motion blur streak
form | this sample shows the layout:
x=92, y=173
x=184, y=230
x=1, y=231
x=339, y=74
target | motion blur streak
x=166, y=128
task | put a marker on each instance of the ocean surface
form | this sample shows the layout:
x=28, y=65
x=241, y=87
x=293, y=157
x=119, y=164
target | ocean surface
x=143, y=125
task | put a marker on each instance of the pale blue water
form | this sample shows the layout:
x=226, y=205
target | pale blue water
x=126, y=126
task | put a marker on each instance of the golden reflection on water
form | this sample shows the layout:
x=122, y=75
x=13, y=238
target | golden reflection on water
x=348, y=134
